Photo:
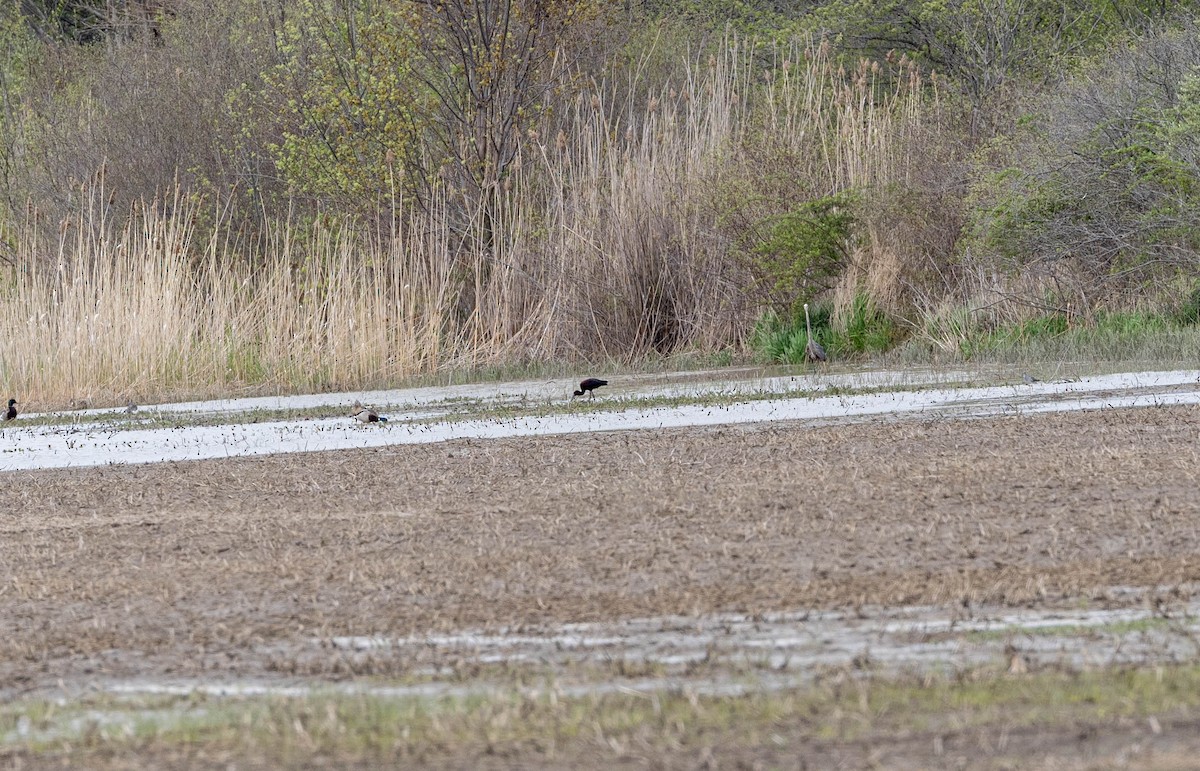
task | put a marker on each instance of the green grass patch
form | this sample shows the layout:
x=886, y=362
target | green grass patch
x=1117, y=332
x=1134, y=338
x=365, y=729
x=1117, y=628
x=864, y=332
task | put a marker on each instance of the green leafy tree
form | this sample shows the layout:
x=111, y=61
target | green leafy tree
x=343, y=95
x=1101, y=188
x=799, y=253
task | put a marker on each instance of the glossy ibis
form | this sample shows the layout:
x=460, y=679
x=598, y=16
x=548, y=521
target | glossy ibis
x=589, y=386
x=813, y=351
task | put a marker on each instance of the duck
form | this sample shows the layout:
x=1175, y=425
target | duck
x=365, y=414
x=589, y=386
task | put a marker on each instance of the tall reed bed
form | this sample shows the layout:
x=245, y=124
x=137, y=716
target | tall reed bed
x=863, y=131
x=153, y=307
x=613, y=241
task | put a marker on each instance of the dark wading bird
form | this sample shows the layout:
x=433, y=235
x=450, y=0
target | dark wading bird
x=813, y=351
x=11, y=413
x=589, y=386
x=365, y=414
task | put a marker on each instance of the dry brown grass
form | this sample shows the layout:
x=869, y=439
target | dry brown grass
x=154, y=307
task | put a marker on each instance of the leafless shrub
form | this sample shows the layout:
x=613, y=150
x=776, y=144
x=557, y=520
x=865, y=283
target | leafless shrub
x=149, y=112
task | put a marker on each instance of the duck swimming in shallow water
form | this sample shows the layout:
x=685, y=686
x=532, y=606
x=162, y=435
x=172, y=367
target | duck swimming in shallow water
x=11, y=413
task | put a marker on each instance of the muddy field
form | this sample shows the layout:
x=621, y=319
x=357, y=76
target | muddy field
x=253, y=568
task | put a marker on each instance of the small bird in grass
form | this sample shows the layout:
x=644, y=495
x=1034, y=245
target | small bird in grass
x=813, y=351
x=365, y=414
x=130, y=408
x=589, y=386
x=11, y=413
x=1030, y=379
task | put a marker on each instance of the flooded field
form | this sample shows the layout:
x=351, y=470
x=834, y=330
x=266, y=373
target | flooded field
x=419, y=416
x=800, y=569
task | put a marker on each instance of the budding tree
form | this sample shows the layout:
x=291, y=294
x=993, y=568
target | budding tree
x=489, y=67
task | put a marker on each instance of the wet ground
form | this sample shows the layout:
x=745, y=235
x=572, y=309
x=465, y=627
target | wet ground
x=715, y=559
x=420, y=416
x=258, y=557
x=731, y=653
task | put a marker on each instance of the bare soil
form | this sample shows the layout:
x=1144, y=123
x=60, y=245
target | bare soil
x=224, y=568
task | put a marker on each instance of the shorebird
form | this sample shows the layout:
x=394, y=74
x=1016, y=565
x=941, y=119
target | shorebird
x=589, y=386
x=814, y=351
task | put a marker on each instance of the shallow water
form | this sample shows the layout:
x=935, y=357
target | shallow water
x=786, y=399
x=717, y=655
x=890, y=639
x=733, y=653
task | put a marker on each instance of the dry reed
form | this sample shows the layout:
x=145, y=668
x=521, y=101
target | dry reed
x=608, y=247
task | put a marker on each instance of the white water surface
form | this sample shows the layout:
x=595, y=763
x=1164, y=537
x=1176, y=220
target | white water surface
x=743, y=654
x=414, y=413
